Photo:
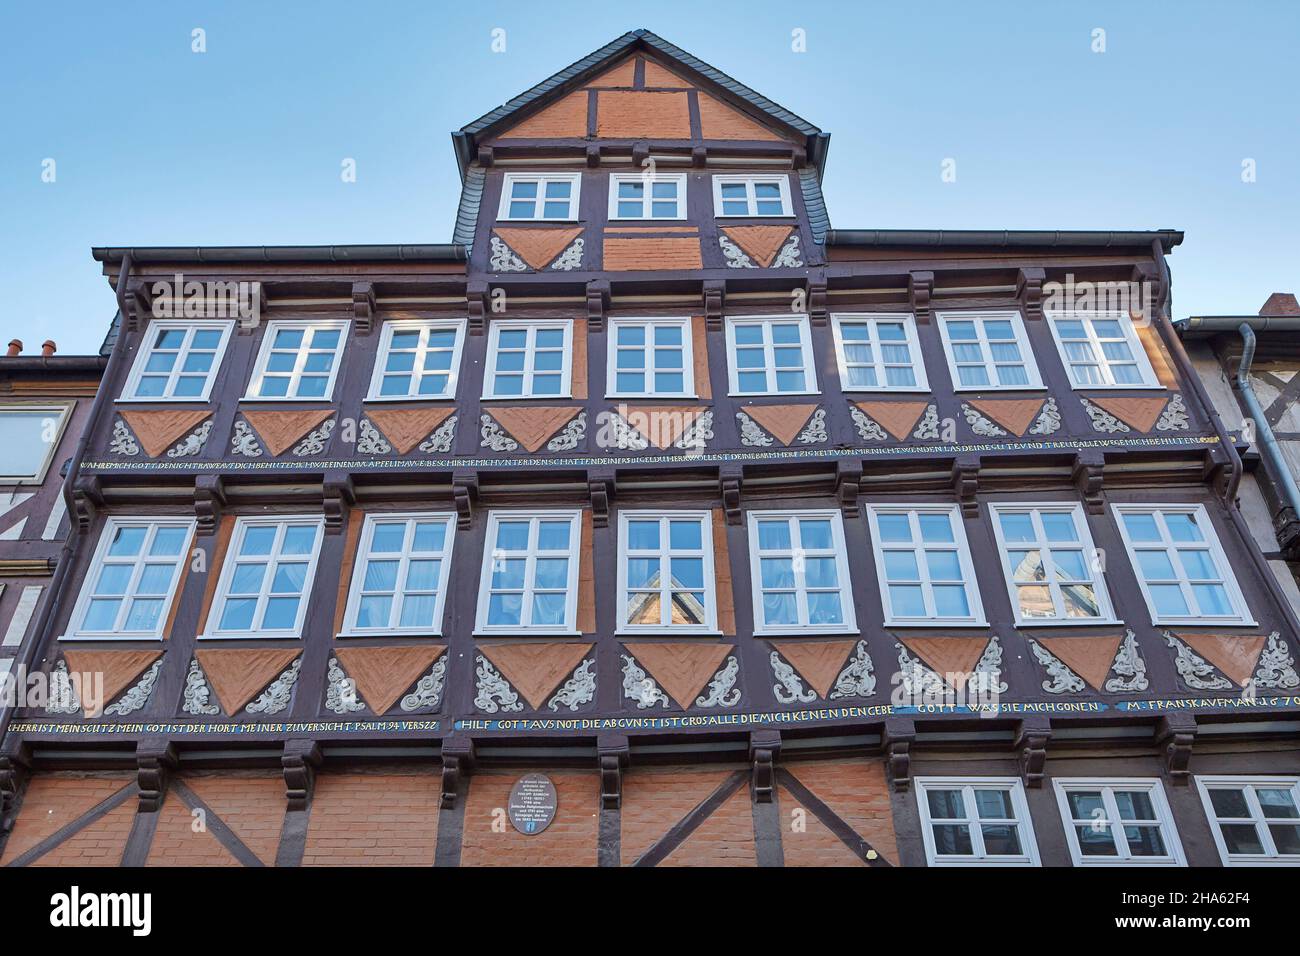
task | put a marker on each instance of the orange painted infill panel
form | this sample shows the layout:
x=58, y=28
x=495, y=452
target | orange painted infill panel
x=635, y=114
x=621, y=74
x=535, y=669
x=586, y=576
x=1158, y=355
x=407, y=427
x=532, y=425
x=237, y=675
x=700, y=357
x=897, y=418
x=783, y=421
x=722, y=574
x=1013, y=414
x=660, y=424
x=119, y=669
x=356, y=520
x=383, y=674
x=720, y=121
x=681, y=669
x=820, y=662
x=159, y=430
x=539, y=247
x=637, y=255
x=565, y=119
x=952, y=658
x=281, y=429
x=663, y=78
x=1235, y=656
x=578, y=365
x=1089, y=657
x=760, y=243
x=1139, y=413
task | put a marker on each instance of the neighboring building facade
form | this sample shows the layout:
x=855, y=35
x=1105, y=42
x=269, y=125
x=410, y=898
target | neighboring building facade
x=766, y=543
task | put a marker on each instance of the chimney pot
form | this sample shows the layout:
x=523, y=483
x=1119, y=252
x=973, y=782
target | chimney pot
x=15, y=348
x=48, y=348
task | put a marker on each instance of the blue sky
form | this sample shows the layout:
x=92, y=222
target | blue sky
x=156, y=145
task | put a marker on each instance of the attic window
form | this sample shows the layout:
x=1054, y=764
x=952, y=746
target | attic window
x=536, y=198
x=751, y=196
x=638, y=196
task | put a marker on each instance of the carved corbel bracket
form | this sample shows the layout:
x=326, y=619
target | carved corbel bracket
x=299, y=762
x=593, y=155
x=900, y=733
x=715, y=298
x=457, y=761
x=87, y=498
x=1217, y=472
x=464, y=489
x=1175, y=734
x=363, y=306
x=1032, y=737
x=597, y=305
x=139, y=302
x=1029, y=290
x=699, y=156
x=209, y=500
x=476, y=306
x=155, y=759
x=640, y=153
x=1088, y=477
x=730, y=479
x=340, y=495
x=848, y=483
x=486, y=157
x=600, y=488
x=613, y=754
x=764, y=748
x=966, y=484
x=920, y=287
x=818, y=300
x=15, y=766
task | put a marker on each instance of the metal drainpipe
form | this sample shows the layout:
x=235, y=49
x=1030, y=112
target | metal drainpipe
x=62, y=575
x=1264, y=437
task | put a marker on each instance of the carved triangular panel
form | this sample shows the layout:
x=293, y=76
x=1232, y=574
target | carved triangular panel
x=820, y=662
x=1089, y=657
x=383, y=674
x=237, y=675
x=535, y=669
x=681, y=669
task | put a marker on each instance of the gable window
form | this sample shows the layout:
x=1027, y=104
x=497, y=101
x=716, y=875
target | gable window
x=1050, y=564
x=971, y=820
x=1184, y=574
x=650, y=357
x=399, y=584
x=178, y=361
x=132, y=579
x=770, y=355
x=751, y=196
x=532, y=197
x=643, y=196
x=29, y=435
x=530, y=573
x=1256, y=820
x=528, y=359
x=1113, y=822
x=924, y=563
x=266, y=578
x=1102, y=350
x=418, y=360
x=988, y=350
x=800, y=573
x=878, y=353
x=665, y=572
x=299, y=360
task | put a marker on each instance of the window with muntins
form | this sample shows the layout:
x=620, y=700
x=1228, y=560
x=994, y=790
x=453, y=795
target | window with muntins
x=1102, y=350
x=650, y=357
x=399, y=583
x=298, y=360
x=665, y=572
x=751, y=196
x=267, y=577
x=528, y=359
x=770, y=355
x=1053, y=572
x=969, y=821
x=988, y=351
x=924, y=565
x=1256, y=820
x=644, y=196
x=178, y=361
x=878, y=353
x=417, y=360
x=530, y=573
x=1117, y=822
x=528, y=197
x=800, y=573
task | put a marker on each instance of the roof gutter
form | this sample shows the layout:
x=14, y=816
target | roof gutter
x=52, y=363
x=442, y=252
x=1203, y=326
x=1004, y=238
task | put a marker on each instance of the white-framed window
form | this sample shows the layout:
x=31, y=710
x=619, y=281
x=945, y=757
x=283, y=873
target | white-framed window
x=266, y=578
x=1052, y=570
x=966, y=821
x=540, y=197
x=878, y=353
x=988, y=351
x=650, y=357
x=530, y=573
x=770, y=355
x=132, y=579
x=751, y=196
x=645, y=196
x=29, y=435
x=529, y=358
x=299, y=360
x=800, y=573
x=177, y=361
x=924, y=566
x=417, y=360
x=1118, y=821
x=1184, y=574
x=1256, y=820
x=665, y=572
x=399, y=581
x=1102, y=350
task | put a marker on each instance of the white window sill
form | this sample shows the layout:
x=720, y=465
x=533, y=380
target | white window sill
x=161, y=400
x=391, y=632
x=566, y=397
x=654, y=220
x=934, y=622
x=1201, y=622
x=986, y=861
x=1093, y=861
x=647, y=396
x=1070, y=622
x=502, y=219
x=526, y=632
x=803, y=631
x=1000, y=388
x=1119, y=388
x=769, y=394
x=746, y=215
x=323, y=399
x=861, y=390
x=665, y=632
x=377, y=399
x=111, y=637
x=252, y=636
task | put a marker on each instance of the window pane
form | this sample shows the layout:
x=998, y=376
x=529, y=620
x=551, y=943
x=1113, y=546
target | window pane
x=1001, y=840
x=950, y=840
x=1229, y=803
x=1144, y=841
x=1241, y=838
x=1276, y=803
x=945, y=804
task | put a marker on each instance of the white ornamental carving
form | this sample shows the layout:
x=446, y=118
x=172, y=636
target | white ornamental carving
x=503, y=258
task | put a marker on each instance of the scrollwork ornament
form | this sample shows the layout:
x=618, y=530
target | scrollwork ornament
x=1102, y=420
x=858, y=678
x=815, y=431
x=640, y=688
x=137, y=696
x=315, y=441
x=571, y=258
x=244, y=441
x=341, y=697
x=63, y=697
x=788, y=687
x=504, y=259
x=276, y=697
x=123, y=442
x=428, y=689
x=979, y=424
x=193, y=443
x=1048, y=420
x=1061, y=680
x=1276, y=667
x=722, y=691
x=928, y=427
x=493, y=436
x=370, y=442
x=571, y=435
x=440, y=441
x=1195, y=671
x=197, y=693
x=698, y=434
x=789, y=256
x=1174, y=416
x=734, y=255
x=622, y=435
x=493, y=692
x=1129, y=668
x=579, y=689
x=867, y=426
x=750, y=433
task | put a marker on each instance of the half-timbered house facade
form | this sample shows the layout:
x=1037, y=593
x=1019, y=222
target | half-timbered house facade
x=767, y=543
